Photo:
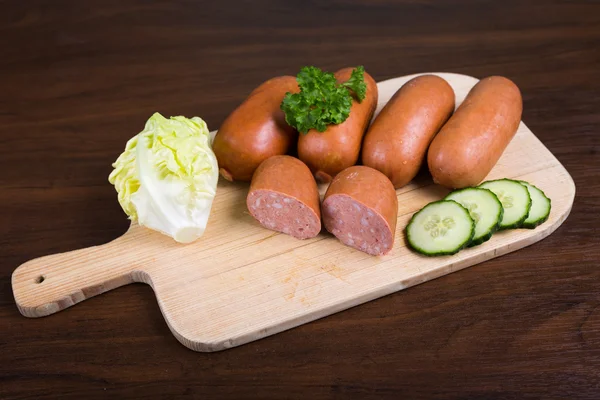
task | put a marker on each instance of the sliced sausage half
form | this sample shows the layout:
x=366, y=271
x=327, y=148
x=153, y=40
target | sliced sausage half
x=284, y=197
x=361, y=208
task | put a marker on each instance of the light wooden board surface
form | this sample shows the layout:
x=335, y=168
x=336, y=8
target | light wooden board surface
x=241, y=282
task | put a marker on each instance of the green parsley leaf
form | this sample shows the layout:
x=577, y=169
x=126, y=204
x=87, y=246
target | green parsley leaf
x=357, y=83
x=321, y=101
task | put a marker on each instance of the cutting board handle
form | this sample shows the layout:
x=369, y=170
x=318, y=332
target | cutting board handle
x=52, y=283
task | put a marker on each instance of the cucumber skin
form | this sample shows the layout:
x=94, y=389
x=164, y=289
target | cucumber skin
x=519, y=223
x=535, y=224
x=439, y=253
x=487, y=237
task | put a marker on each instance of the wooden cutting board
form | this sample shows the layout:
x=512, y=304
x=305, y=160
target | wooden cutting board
x=241, y=282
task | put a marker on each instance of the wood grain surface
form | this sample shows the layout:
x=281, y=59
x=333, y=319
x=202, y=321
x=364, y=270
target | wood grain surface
x=78, y=78
x=241, y=282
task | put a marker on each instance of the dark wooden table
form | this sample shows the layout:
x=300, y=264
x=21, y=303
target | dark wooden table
x=77, y=79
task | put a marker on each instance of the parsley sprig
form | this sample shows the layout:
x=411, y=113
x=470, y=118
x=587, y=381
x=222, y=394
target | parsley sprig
x=322, y=101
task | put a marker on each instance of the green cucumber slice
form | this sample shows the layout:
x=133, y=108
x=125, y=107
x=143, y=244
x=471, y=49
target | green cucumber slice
x=485, y=210
x=440, y=228
x=515, y=200
x=540, y=206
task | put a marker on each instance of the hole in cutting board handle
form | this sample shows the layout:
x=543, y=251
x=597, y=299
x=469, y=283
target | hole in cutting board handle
x=40, y=279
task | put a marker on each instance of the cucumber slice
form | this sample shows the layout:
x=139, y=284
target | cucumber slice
x=485, y=209
x=515, y=200
x=540, y=206
x=440, y=228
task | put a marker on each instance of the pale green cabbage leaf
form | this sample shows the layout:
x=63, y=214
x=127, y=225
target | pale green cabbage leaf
x=166, y=178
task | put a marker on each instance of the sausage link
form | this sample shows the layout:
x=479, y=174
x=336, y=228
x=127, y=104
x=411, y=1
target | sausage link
x=255, y=131
x=397, y=141
x=471, y=142
x=338, y=147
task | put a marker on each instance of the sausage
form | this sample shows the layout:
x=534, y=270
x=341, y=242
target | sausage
x=471, y=142
x=255, y=131
x=360, y=208
x=284, y=197
x=397, y=141
x=327, y=153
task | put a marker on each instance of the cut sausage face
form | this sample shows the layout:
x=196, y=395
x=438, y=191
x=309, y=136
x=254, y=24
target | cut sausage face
x=356, y=225
x=282, y=213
